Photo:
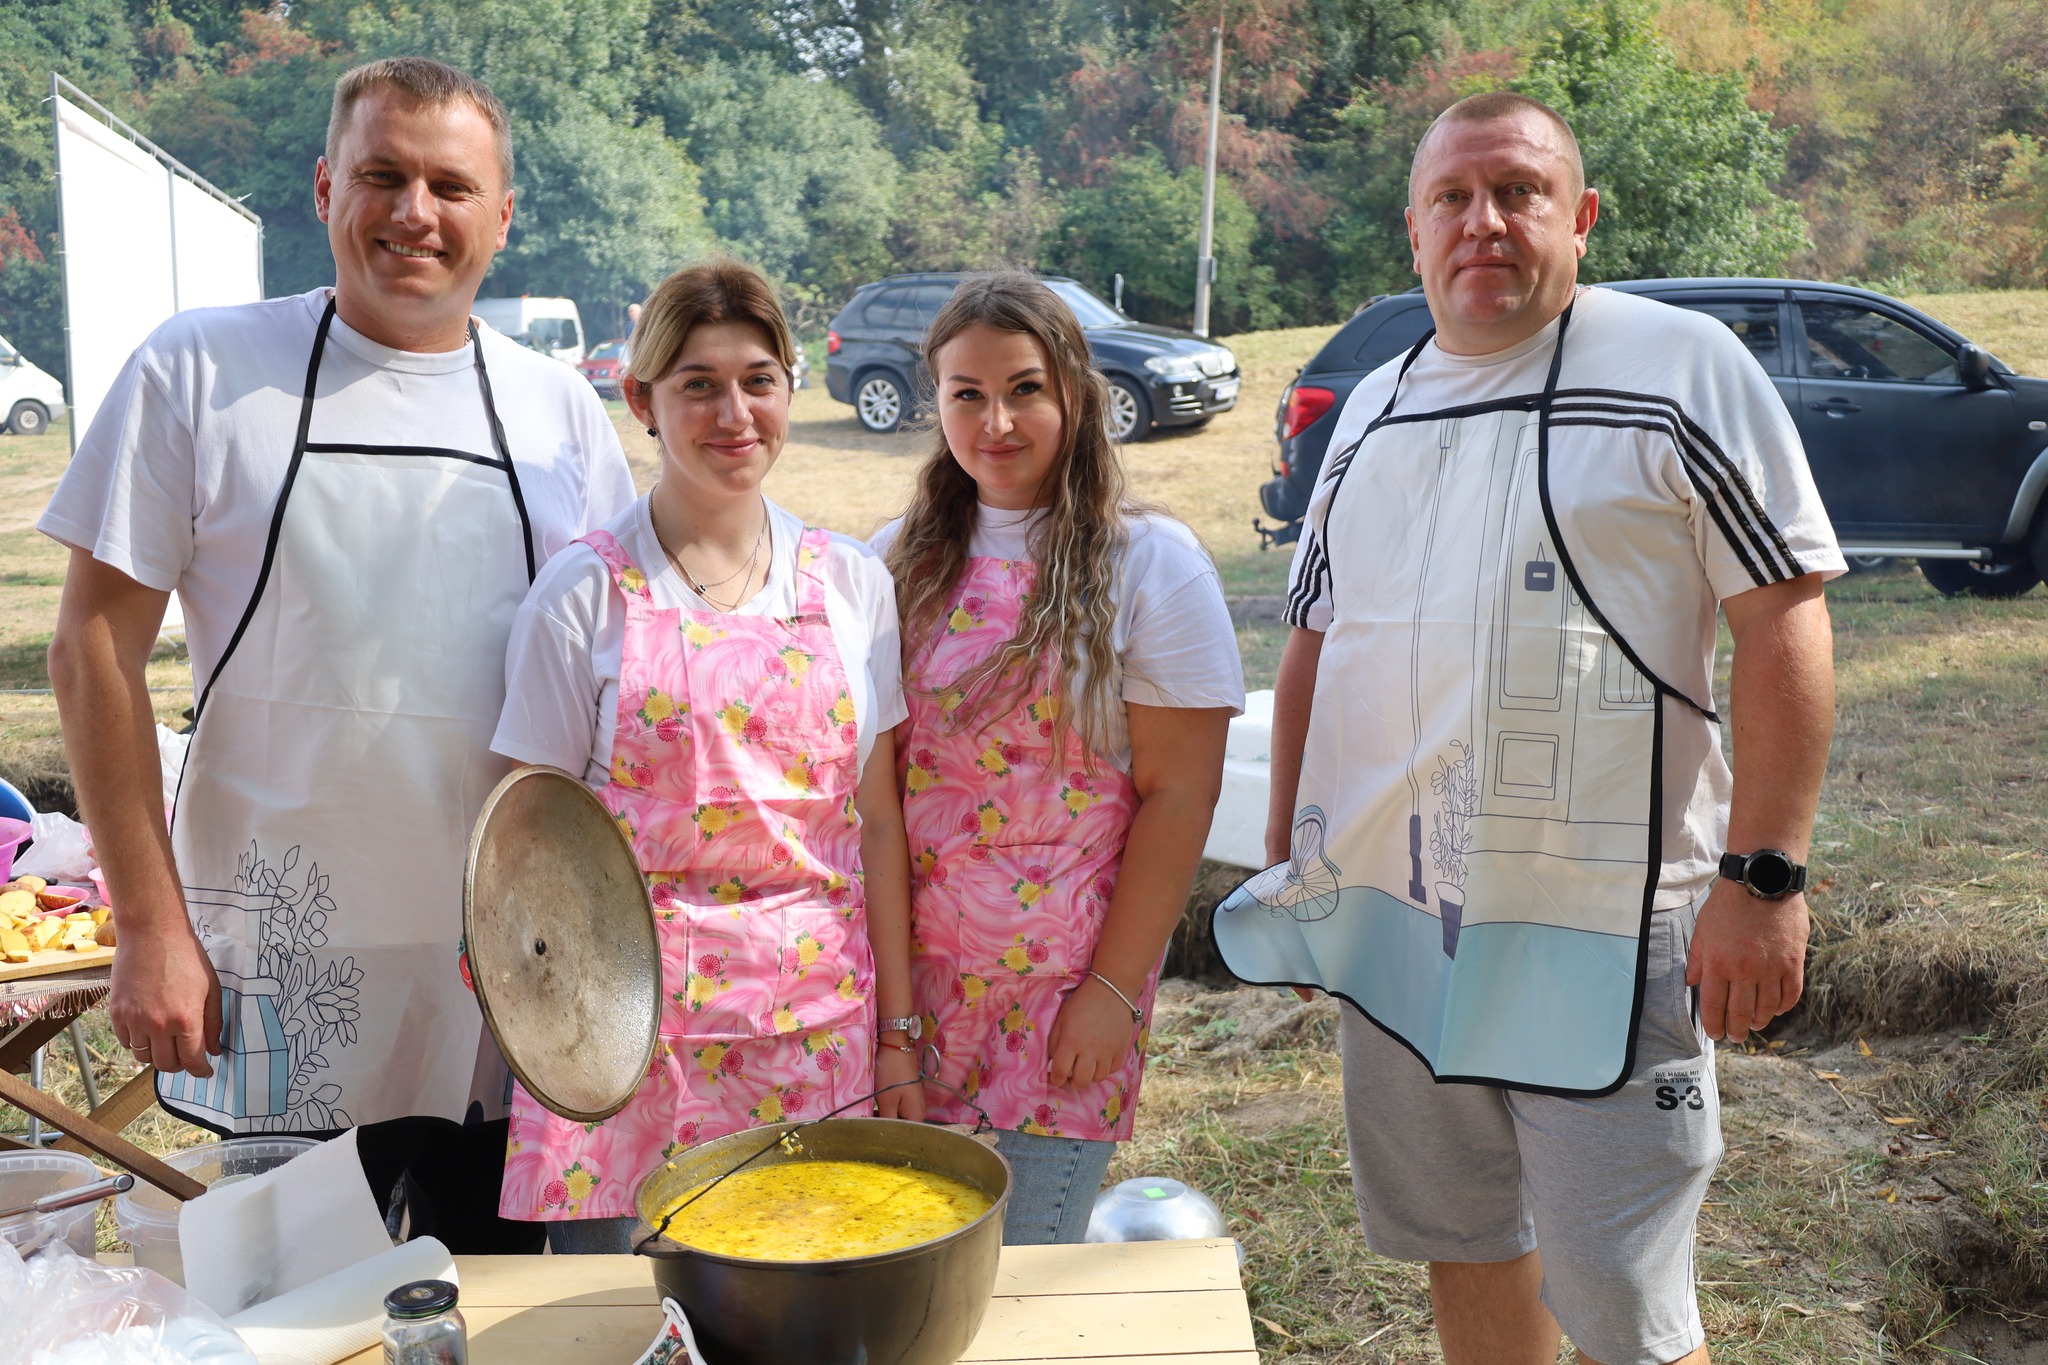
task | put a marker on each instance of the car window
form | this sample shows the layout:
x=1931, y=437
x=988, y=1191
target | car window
x=1089, y=310
x=1754, y=322
x=883, y=309
x=1395, y=336
x=929, y=299
x=1847, y=341
x=611, y=350
x=551, y=333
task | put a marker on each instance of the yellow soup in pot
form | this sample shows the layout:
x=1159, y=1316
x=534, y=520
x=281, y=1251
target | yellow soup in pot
x=823, y=1210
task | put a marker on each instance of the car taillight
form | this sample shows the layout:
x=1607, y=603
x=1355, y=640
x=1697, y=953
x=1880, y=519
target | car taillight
x=831, y=343
x=1304, y=405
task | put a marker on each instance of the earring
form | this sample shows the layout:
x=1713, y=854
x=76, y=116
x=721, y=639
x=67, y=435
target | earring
x=652, y=432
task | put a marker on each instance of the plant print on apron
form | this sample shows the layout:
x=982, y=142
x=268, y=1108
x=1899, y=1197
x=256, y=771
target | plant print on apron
x=1015, y=841
x=341, y=753
x=1477, y=837
x=735, y=761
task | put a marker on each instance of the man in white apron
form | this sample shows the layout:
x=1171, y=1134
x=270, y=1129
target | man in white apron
x=1499, y=803
x=349, y=490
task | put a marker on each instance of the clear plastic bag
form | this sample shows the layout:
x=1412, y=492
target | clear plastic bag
x=61, y=851
x=57, y=1308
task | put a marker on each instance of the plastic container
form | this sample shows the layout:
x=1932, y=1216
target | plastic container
x=13, y=834
x=1154, y=1209
x=148, y=1218
x=31, y=1175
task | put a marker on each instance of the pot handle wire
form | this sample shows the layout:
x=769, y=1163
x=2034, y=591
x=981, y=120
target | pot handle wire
x=927, y=1056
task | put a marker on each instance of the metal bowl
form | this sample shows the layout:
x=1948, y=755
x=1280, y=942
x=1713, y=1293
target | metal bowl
x=920, y=1305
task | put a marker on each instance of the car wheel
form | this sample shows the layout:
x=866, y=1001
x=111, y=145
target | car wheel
x=878, y=399
x=29, y=418
x=1130, y=413
x=1951, y=577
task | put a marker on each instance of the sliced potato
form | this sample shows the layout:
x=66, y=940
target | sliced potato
x=18, y=903
x=31, y=883
x=44, y=935
x=101, y=914
x=13, y=946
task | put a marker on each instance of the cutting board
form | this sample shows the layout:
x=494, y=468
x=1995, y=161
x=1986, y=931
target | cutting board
x=51, y=961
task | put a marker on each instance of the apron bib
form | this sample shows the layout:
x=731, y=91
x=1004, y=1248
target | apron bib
x=735, y=760
x=1477, y=842
x=1015, y=845
x=340, y=754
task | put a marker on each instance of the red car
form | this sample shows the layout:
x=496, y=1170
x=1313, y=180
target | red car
x=605, y=365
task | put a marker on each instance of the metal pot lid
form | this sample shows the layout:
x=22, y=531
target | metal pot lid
x=562, y=948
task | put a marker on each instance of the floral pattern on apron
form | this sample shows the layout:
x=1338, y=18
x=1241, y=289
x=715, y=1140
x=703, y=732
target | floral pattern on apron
x=735, y=762
x=1015, y=844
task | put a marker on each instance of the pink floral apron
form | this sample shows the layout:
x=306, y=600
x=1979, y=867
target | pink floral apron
x=1014, y=848
x=734, y=767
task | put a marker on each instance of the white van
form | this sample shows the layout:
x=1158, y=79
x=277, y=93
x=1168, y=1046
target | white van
x=550, y=326
x=29, y=396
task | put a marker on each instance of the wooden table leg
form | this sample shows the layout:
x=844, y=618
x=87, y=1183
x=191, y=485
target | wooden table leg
x=118, y=1110
x=109, y=1145
x=20, y=1044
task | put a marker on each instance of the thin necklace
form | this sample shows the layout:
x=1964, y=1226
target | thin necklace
x=701, y=588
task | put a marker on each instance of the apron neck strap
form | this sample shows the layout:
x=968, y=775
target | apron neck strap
x=504, y=449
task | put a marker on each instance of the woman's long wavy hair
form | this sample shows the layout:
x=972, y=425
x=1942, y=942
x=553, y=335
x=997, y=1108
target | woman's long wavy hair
x=1071, y=612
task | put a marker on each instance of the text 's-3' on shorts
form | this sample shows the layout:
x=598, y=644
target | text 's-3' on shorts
x=1608, y=1188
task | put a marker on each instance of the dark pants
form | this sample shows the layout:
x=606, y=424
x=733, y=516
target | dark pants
x=448, y=1176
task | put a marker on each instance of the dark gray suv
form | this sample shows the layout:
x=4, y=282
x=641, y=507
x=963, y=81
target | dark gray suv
x=1158, y=377
x=1922, y=444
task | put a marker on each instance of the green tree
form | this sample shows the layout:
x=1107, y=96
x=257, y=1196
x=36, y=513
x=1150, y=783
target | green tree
x=1143, y=221
x=794, y=173
x=1684, y=166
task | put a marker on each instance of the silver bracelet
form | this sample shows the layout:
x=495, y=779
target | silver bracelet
x=1137, y=1015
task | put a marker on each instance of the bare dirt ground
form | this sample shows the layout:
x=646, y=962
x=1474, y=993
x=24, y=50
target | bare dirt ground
x=1875, y=1205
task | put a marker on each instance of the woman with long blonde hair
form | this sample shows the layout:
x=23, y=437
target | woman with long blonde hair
x=1070, y=673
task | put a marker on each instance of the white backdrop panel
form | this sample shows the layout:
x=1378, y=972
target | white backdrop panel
x=118, y=272
x=220, y=252
x=140, y=243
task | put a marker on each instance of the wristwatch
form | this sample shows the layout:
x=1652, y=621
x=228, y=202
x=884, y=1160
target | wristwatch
x=910, y=1024
x=1768, y=874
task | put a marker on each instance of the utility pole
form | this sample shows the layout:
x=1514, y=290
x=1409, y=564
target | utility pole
x=1205, y=254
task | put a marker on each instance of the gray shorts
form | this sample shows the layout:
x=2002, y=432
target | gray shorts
x=1608, y=1188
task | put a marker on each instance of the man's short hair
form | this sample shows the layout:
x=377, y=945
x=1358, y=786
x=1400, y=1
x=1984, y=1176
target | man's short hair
x=1496, y=104
x=425, y=84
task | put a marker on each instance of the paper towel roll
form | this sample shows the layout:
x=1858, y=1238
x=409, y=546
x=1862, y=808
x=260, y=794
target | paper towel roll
x=333, y=1318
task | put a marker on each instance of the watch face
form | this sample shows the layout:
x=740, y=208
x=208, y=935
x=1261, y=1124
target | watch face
x=1769, y=873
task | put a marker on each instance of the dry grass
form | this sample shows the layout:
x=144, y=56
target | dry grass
x=2012, y=324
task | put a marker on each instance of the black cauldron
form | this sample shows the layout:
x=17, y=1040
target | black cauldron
x=920, y=1305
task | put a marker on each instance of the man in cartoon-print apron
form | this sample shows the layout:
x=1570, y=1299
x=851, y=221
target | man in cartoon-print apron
x=349, y=490
x=1503, y=830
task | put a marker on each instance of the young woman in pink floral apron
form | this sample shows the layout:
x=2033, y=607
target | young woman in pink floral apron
x=1070, y=672
x=727, y=679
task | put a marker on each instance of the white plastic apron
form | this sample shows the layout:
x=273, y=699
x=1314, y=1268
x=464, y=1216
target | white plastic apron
x=1477, y=832
x=341, y=755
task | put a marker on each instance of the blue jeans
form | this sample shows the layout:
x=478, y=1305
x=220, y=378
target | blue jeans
x=591, y=1237
x=1052, y=1187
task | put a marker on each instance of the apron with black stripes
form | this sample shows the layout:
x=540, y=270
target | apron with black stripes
x=341, y=754
x=1476, y=835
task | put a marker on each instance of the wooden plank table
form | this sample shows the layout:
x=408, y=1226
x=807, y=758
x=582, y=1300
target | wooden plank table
x=1166, y=1303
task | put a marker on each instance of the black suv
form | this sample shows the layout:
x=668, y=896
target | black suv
x=1922, y=444
x=1158, y=377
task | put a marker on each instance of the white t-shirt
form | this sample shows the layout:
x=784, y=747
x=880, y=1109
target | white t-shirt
x=562, y=665
x=1173, y=637
x=1662, y=528
x=175, y=481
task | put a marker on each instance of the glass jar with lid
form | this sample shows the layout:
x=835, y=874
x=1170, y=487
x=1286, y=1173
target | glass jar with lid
x=422, y=1326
